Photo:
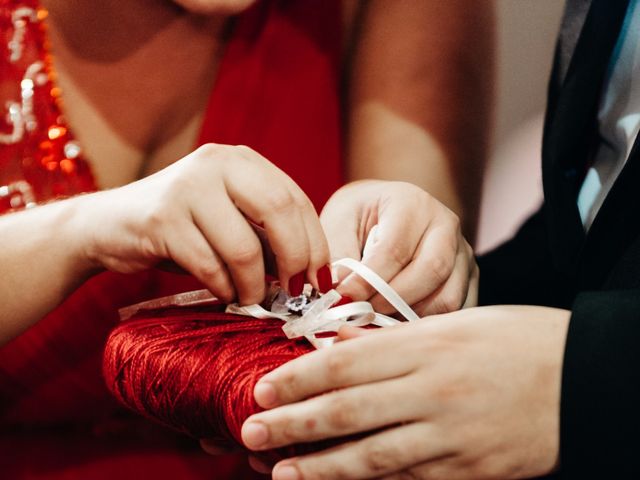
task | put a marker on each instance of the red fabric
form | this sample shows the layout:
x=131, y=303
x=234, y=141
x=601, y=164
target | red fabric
x=277, y=91
x=194, y=369
x=294, y=123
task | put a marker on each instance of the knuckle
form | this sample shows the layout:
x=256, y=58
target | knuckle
x=399, y=254
x=245, y=255
x=287, y=384
x=448, y=302
x=149, y=247
x=210, y=270
x=278, y=200
x=342, y=414
x=453, y=301
x=378, y=458
x=338, y=366
x=155, y=217
x=150, y=233
x=454, y=221
x=245, y=149
x=440, y=267
x=211, y=155
x=209, y=150
x=291, y=431
x=301, y=202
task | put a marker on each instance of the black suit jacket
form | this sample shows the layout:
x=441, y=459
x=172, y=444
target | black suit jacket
x=551, y=261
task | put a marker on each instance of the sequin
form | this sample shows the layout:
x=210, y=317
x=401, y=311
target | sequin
x=72, y=150
x=56, y=132
x=17, y=195
x=39, y=157
x=19, y=18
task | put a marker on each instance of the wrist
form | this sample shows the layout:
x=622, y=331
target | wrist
x=74, y=222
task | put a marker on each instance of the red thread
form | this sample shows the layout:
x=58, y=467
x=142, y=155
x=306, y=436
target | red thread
x=194, y=370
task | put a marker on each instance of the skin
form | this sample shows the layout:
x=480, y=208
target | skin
x=426, y=261
x=474, y=396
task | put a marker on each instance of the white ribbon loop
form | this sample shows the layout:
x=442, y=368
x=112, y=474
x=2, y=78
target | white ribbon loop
x=382, y=287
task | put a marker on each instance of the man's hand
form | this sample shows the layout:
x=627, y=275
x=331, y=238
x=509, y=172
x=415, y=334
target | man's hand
x=468, y=395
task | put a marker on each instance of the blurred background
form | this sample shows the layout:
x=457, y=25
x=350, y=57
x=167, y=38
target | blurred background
x=512, y=189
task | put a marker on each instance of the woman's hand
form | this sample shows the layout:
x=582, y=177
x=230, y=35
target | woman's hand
x=470, y=395
x=195, y=213
x=418, y=246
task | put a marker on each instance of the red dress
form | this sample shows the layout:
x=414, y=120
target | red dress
x=277, y=91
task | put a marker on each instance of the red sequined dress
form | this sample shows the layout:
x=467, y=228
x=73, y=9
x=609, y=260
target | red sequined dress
x=276, y=91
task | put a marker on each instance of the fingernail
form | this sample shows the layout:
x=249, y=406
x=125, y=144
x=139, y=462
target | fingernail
x=254, y=434
x=265, y=394
x=286, y=472
x=325, y=283
x=296, y=284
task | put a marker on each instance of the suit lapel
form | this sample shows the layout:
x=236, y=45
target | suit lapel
x=569, y=130
x=575, y=15
x=615, y=227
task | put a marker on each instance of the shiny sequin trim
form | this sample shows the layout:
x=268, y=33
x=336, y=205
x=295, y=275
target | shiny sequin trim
x=40, y=158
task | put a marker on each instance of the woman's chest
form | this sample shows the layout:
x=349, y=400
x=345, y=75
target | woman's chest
x=131, y=136
x=134, y=97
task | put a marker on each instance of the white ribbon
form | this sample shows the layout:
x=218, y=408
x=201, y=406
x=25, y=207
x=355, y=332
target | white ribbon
x=321, y=317
x=382, y=287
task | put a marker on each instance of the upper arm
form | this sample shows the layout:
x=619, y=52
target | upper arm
x=419, y=95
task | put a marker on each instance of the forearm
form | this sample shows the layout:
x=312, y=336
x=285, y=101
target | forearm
x=420, y=98
x=385, y=146
x=42, y=263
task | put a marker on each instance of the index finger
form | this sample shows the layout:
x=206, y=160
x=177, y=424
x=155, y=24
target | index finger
x=273, y=200
x=344, y=364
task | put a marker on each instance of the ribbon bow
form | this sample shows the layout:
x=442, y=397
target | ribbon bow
x=317, y=317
